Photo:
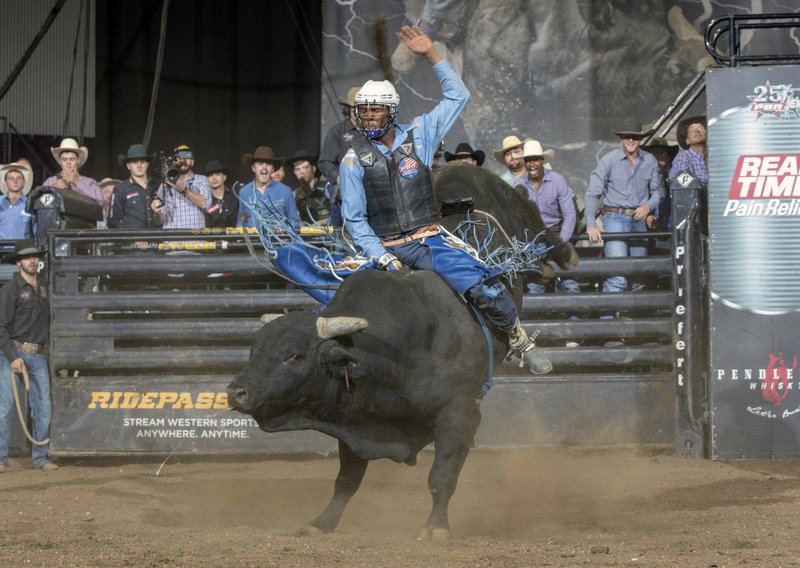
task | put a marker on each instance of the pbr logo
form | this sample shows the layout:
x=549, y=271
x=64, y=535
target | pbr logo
x=779, y=101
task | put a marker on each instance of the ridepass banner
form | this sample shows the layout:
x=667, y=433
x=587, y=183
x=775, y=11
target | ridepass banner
x=754, y=228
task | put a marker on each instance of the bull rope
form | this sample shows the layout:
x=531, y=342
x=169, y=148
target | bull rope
x=18, y=404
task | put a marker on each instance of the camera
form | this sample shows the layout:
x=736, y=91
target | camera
x=168, y=168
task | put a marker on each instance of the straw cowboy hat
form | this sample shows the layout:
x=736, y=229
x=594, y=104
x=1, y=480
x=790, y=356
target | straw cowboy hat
x=135, y=152
x=108, y=181
x=533, y=149
x=262, y=154
x=26, y=171
x=350, y=99
x=70, y=145
x=300, y=156
x=22, y=248
x=683, y=128
x=631, y=127
x=659, y=142
x=464, y=150
x=509, y=143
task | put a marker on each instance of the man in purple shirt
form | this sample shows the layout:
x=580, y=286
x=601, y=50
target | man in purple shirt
x=554, y=197
x=70, y=157
x=692, y=139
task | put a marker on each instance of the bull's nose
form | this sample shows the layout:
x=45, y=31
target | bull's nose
x=237, y=397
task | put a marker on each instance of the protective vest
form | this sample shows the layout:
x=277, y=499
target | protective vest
x=399, y=190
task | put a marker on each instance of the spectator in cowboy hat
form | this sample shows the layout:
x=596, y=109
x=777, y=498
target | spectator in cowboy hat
x=107, y=186
x=71, y=157
x=15, y=183
x=134, y=204
x=630, y=184
x=24, y=323
x=339, y=138
x=278, y=198
x=224, y=210
x=510, y=155
x=185, y=200
x=465, y=153
x=664, y=153
x=313, y=194
x=692, y=137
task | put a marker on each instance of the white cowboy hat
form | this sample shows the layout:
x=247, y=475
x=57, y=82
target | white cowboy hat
x=70, y=145
x=108, y=181
x=26, y=173
x=532, y=148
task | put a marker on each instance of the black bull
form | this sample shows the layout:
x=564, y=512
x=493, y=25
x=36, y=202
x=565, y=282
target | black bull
x=395, y=362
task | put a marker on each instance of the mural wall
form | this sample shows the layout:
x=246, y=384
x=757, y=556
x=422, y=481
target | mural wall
x=562, y=71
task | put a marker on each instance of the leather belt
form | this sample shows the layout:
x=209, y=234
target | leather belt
x=30, y=348
x=421, y=233
x=620, y=210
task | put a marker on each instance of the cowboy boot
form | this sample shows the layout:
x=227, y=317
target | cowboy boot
x=523, y=347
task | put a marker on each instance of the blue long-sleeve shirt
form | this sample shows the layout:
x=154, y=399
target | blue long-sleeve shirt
x=621, y=184
x=277, y=196
x=14, y=222
x=426, y=131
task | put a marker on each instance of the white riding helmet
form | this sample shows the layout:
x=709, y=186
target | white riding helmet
x=378, y=93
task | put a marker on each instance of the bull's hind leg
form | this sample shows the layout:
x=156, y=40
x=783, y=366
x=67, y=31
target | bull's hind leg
x=351, y=472
x=453, y=435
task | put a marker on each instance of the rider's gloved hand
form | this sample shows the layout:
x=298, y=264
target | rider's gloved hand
x=388, y=261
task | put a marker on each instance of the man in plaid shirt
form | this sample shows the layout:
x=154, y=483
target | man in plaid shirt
x=184, y=201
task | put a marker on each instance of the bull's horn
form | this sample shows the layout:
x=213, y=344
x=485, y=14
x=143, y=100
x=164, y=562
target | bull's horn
x=266, y=318
x=328, y=328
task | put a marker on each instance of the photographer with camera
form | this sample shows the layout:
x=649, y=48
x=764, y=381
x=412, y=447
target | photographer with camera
x=133, y=202
x=184, y=194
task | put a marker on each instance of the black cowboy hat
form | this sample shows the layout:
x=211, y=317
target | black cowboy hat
x=214, y=166
x=135, y=152
x=683, y=128
x=631, y=127
x=262, y=154
x=299, y=156
x=23, y=248
x=464, y=150
x=659, y=142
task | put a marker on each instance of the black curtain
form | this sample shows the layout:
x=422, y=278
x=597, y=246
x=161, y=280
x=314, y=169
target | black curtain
x=236, y=75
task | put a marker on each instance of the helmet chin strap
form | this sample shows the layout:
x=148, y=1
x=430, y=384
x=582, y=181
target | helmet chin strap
x=377, y=134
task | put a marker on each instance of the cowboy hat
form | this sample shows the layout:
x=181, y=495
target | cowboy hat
x=213, y=167
x=509, y=143
x=683, y=128
x=533, y=149
x=26, y=171
x=631, y=127
x=659, y=142
x=300, y=156
x=22, y=248
x=135, y=152
x=464, y=150
x=108, y=181
x=350, y=99
x=70, y=145
x=262, y=154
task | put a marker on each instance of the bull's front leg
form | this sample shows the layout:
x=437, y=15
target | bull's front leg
x=351, y=472
x=453, y=435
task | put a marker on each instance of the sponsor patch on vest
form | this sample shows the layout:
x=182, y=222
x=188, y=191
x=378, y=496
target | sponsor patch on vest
x=408, y=167
x=132, y=195
x=366, y=159
x=406, y=148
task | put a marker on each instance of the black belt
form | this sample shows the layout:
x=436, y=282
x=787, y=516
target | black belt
x=620, y=210
x=30, y=348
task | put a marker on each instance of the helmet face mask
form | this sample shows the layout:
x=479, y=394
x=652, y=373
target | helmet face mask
x=376, y=108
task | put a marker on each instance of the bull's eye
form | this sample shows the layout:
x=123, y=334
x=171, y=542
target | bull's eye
x=293, y=358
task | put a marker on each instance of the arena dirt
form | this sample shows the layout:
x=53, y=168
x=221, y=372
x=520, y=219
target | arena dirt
x=556, y=506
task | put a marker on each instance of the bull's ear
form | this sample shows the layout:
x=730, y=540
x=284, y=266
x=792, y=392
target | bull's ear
x=337, y=358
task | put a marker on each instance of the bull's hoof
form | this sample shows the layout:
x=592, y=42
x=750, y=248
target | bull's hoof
x=309, y=530
x=435, y=535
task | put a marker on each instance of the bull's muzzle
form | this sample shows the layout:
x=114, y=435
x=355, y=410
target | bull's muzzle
x=238, y=399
